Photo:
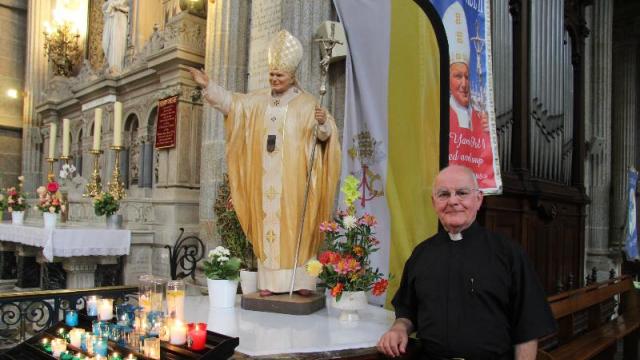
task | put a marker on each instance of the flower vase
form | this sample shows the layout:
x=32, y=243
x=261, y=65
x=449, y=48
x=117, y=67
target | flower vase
x=17, y=217
x=248, y=281
x=50, y=220
x=350, y=303
x=222, y=293
x=114, y=221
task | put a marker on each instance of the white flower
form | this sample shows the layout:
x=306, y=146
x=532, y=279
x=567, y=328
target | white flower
x=349, y=221
x=65, y=167
x=72, y=169
x=223, y=259
x=63, y=174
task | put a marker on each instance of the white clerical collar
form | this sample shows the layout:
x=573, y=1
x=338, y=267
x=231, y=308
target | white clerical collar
x=464, y=113
x=455, y=237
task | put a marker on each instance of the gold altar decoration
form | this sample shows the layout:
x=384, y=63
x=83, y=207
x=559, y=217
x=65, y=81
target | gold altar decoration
x=51, y=176
x=62, y=47
x=94, y=187
x=116, y=186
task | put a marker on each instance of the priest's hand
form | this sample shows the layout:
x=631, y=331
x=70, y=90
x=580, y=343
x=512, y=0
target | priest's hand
x=200, y=77
x=320, y=115
x=394, y=342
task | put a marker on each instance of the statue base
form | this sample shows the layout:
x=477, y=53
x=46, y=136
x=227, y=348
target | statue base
x=283, y=304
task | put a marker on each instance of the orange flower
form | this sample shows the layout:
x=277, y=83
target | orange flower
x=380, y=287
x=329, y=257
x=347, y=265
x=337, y=290
x=358, y=250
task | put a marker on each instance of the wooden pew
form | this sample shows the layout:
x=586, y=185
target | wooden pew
x=586, y=327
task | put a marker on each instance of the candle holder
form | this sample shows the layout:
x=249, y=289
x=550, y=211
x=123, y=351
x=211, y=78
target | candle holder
x=94, y=187
x=51, y=175
x=116, y=187
x=66, y=159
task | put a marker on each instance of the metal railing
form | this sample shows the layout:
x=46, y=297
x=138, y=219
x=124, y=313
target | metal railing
x=23, y=314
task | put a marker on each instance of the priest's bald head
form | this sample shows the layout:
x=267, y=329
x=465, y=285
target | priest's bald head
x=456, y=198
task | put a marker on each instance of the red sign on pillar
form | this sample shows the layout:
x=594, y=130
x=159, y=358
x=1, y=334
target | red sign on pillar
x=166, y=125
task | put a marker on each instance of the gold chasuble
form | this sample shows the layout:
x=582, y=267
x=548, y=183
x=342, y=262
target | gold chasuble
x=269, y=142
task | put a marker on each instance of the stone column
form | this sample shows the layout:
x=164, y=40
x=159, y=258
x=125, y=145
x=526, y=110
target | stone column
x=598, y=168
x=623, y=126
x=36, y=74
x=226, y=63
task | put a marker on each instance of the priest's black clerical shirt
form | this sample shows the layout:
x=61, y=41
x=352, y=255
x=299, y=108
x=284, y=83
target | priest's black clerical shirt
x=473, y=298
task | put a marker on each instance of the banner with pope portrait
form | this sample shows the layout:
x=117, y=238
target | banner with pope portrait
x=472, y=131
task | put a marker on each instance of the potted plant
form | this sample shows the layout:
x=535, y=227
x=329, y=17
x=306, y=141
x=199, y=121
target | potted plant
x=67, y=172
x=233, y=237
x=222, y=271
x=344, y=266
x=105, y=204
x=50, y=203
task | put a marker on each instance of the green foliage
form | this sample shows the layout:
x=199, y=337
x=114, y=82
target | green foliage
x=229, y=229
x=220, y=265
x=105, y=204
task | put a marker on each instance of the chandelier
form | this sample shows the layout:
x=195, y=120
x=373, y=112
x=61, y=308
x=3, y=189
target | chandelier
x=62, y=48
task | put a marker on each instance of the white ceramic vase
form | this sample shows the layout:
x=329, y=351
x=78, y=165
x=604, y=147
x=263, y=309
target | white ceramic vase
x=17, y=217
x=248, y=281
x=222, y=293
x=50, y=220
x=350, y=303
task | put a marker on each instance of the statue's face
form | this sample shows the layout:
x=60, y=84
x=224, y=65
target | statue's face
x=280, y=81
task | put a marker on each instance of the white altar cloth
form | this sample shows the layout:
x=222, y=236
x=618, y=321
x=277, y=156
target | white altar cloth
x=263, y=333
x=68, y=242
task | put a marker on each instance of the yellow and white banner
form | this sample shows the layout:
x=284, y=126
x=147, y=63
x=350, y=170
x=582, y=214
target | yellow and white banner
x=392, y=129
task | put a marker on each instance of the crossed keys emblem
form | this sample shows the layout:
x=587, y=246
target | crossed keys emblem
x=365, y=149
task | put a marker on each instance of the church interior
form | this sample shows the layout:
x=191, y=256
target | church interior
x=99, y=97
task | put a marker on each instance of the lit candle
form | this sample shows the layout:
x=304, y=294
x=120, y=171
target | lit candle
x=87, y=342
x=115, y=356
x=131, y=357
x=75, y=337
x=178, y=333
x=152, y=347
x=97, y=127
x=105, y=309
x=117, y=123
x=71, y=318
x=197, y=336
x=53, y=132
x=46, y=345
x=92, y=306
x=175, y=299
x=57, y=347
x=100, y=346
x=66, y=124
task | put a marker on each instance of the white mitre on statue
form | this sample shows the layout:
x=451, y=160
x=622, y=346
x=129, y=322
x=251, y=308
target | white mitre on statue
x=455, y=24
x=285, y=52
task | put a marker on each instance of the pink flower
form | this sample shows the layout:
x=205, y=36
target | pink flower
x=368, y=220
x=347, y=265
x=329, y=226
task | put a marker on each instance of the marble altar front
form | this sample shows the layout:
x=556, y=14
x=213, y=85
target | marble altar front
x=271, y=335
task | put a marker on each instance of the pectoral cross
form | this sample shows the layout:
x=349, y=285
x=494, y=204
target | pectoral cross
x=271, y=236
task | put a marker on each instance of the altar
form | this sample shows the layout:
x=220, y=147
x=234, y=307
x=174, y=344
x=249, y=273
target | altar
x=270, y=335
x=80, y=249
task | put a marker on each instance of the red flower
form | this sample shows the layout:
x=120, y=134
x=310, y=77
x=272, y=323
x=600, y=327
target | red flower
x=52, y=187
x=380, y=287
x=329, y=257
x=337, y=290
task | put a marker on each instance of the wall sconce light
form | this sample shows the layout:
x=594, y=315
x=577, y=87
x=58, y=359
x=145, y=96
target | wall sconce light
x=62, y=48
x=12, y=93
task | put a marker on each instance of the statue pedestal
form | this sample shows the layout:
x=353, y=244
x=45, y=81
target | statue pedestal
x=283, y=304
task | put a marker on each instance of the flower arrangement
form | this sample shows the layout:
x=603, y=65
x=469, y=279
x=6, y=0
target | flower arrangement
x=229, y=229
x=220, y=265
x=105, y=204
x=50, y=198
x=345, y=264
x=67, y=173
x=16, y=199
x=3, y=200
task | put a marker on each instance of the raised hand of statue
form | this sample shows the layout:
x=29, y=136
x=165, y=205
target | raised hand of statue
x=320, y=115
x=200, y=77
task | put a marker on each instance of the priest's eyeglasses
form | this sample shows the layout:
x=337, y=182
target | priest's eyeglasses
x=461, y=194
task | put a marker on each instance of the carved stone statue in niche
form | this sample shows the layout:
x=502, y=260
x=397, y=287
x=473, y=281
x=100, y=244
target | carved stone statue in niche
x=114, y=34
x=134, y=158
